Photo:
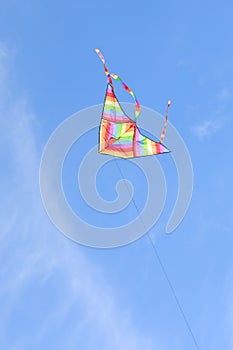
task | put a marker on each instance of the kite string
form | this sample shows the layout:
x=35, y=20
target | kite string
x=173, y=291
x=162, y=267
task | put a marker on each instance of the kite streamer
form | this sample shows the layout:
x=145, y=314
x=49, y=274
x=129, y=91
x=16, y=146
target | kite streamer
x=165, y=123
x=105, y=67
x=116, y=77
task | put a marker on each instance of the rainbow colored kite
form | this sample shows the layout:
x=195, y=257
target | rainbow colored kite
x=119, y=135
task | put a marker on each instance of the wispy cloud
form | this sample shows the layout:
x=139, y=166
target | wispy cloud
x=221, y=117
x=206, y=129
x=225, y=94
x=32, y=255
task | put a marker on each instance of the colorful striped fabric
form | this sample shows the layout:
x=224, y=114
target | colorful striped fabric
x=166, y=122
x=119, y=135
x=131, y=93
x=105, y=67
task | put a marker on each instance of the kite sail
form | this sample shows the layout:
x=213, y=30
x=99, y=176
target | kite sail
x=119, y=135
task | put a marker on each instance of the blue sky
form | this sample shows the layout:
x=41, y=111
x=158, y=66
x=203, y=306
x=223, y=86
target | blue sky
x=56, y=294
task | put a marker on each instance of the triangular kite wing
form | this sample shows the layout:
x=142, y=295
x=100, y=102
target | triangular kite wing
x=120, y=136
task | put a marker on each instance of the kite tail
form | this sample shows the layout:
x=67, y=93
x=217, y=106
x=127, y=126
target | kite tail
x=165, y=123
x=105, y=67
x=116, y=77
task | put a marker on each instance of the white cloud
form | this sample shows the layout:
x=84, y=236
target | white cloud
x=206, y=129
x=32, y=253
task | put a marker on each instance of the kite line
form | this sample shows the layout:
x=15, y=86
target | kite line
x=162, y=267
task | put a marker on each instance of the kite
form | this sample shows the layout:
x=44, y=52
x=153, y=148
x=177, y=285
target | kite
x=119, y=135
